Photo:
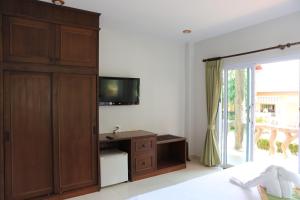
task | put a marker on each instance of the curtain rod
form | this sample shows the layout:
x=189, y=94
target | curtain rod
x=280, y=46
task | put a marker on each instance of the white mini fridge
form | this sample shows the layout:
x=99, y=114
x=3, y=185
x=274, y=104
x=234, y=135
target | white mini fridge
x=114, y=167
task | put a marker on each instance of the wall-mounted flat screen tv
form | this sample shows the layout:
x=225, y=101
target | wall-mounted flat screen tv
x=119, y=91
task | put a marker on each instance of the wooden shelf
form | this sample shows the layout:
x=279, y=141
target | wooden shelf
x=168, y=163
x=163, y=139
x=171, y=153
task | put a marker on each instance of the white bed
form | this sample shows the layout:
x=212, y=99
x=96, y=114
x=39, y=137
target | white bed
x=215, y=186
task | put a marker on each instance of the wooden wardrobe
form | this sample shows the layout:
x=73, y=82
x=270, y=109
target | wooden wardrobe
x=48, y=97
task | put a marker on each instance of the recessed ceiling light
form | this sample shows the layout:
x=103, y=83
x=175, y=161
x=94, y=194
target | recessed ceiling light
x=187, y=31
x=58, y=2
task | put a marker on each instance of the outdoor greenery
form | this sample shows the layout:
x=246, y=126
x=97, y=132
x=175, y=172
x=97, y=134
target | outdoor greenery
x=294, y=148
x=265, y=145
x=260, y=120
x=278, y=145
x=231, y=88
x=231, y=116
x=237, y=84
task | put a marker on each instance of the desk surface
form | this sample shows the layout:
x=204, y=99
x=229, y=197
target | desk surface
x=124, y=135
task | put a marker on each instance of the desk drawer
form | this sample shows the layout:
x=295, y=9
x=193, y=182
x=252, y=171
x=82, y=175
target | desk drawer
x=143, y=164
x=144, y=145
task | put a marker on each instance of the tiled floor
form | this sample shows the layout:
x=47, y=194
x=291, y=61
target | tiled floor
x=130, y=189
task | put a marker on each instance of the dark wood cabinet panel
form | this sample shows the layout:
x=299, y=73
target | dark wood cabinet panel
x=143, y=163
x=28, y=40
x=76, y=126
x=48, y=101
x=76, y=46
x=1, y=139
x=1, y=43
x=49, y=12
x=28, y=135
x=144, y=145
x=143, y=160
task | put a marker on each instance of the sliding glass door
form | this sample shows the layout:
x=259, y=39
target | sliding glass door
x=237, y=124
x=259, y=114
x=276, y=136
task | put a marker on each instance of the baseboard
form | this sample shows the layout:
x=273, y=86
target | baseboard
x=74, y=193
x=195, y=157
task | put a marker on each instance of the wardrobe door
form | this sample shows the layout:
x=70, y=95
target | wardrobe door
x=28, y=40
x=28, y=135
x=76, y=125
x=1, y=137
x=76, y=46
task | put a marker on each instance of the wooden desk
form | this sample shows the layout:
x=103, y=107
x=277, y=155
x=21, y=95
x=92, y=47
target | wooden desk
x=128, y=135
x=148, y=154
x=141, y=148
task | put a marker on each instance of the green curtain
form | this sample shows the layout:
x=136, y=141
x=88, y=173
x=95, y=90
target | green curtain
x=213, y=72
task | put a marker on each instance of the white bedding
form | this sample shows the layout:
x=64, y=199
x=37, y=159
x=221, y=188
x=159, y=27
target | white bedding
x=215, y=186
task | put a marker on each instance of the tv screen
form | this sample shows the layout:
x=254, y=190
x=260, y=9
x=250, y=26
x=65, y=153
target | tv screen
x=119, y=91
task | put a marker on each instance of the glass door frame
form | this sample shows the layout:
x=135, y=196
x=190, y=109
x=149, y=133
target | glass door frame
x=223, y=110
x=299, y=122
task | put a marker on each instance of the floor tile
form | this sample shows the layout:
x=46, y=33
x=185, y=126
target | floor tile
x=129, y=189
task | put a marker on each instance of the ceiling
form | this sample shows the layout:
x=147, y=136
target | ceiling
x=167, y=18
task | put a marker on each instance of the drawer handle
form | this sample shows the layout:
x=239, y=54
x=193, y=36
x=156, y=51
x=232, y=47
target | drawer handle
x=143, y=145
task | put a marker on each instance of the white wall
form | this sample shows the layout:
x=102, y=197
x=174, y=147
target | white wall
x=271, y=33
x=160, y=65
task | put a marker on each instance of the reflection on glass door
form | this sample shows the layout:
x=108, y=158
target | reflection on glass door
x=237, y=126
